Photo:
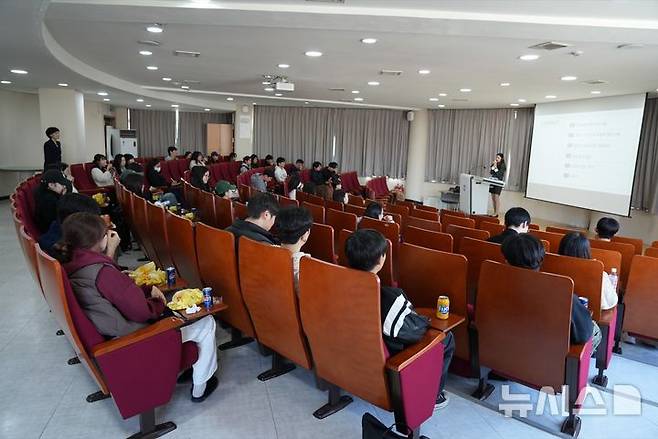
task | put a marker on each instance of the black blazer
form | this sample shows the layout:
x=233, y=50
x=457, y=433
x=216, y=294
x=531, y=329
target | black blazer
x=52, y=152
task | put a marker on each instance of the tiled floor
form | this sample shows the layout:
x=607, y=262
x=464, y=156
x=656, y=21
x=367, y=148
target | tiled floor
x=43, y=397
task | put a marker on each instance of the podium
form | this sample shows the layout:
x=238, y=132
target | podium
x=474, y=193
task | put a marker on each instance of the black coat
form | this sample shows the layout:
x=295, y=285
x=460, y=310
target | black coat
x=45, y=207
x=252, y=231
x=498, y=239
x=52, y=152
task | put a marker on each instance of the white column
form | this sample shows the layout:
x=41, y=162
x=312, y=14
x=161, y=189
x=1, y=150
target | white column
x=65, y=109
x=416, y=156
x=243, y=129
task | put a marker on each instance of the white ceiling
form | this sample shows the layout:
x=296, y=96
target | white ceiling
x=472, y=44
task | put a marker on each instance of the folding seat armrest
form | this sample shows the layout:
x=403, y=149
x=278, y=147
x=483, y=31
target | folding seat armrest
x=401, y=360
x=577, y=370
x=138, y=336
x=607, y=316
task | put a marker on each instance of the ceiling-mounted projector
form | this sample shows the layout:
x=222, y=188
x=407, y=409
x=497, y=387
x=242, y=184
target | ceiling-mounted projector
x=284, y=86
x=279, y=83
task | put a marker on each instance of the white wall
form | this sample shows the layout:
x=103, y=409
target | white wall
x=65, y=109
x=95, y=127
x=21, y=138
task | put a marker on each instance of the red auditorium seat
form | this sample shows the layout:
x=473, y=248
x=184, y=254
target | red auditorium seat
x=350, y=183
x=320, y=243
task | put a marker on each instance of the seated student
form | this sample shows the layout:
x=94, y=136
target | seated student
x=119, y=163
x=46, y=196
x=199, y=177
x=232, y=156
x=246, y=164
x=102, y=173
x=299, y=164
x=118, y=307
x=269, y=160
x=66, y=171
x=133, y=168
x=294, y=185
x=135, y=184
x=342, y=197
x=254, y=161
x=214, y=158
x=259, y=181
x=576, y=245
x=517, y=220
x=401, y=325
x=153, y=176
x=129, y=159
x=187, y=155
x=280, y=173
x=606, y=228
x=172, y=153
x=293, y=225
x=526, y=251
x=262, y=210
x=317, y=176
x=68, y=204
x=375, y=210
x=197, y=159
x=226, y=190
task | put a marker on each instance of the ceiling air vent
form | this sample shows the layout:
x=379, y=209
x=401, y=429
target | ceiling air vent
x=595, y=82
x=149, y=42
x=459, y=100
x=549, y=45
x=390, y=72
x=187, y=53
x=336, y=89
x=326, y=1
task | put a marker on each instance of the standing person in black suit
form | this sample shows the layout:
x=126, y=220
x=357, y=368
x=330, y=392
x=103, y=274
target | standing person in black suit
x=52, y=149
x=498, y=168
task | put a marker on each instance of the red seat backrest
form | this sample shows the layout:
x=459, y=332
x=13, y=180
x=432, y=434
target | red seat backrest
x=165, y=169
x=141, y=223
x=553, y=238
x=457, y=221
x=356, y=210
x=652, y=252
x=285, y=201
x=340, y=220
x=429, y=239
x=183, y=165
x=158, y=230
x=239, y=210
x=610, y=258
x=424, y=214
x=320, y=243
x=182, y=247
x=316, y=211
x=434, y=226
x=224, y=212
x=458, y=233
x=477, y=251
x=627, y=252
x=483, y=219
x=492, y=228
x=82, y=179
x=635, y=242
x=206, y=204
x=640, y=297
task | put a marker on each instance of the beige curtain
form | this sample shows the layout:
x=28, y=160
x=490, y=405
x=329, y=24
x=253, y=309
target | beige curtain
x=155, y=131
x=192, y=128
x=468, y=140
x=645, y=186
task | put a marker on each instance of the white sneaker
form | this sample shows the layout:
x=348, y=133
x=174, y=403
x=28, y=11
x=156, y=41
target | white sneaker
x=441, y=402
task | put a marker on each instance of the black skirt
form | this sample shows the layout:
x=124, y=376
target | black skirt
x=495, y=189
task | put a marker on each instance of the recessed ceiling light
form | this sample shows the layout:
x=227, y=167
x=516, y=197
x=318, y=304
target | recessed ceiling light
x=423, y=72
x=206, y=109
x=148, y=105
x=265, y=82
x=520, y=100
x=229, y=99
x=569, y=78
x=373, y=83
x=595, y=92
x=358, y=99
x=174, y=105
x=514, y=105
x=185, y=87
x=443, y=94
x=355, y=92
x=151, y=67
x=434, y=99
x=441, y=106
x=5, y=82
x=253, y=103
x=306, y=102
x=145, y=52
x=550, y=96
x=465, y=90
x=313, y=53
x=106, y=100
x=63, y=84
x=19, y=71
x=166, y=79
x=529, y=57
x=278, y=94
x=102, y=93
x=155, y=28
x=368, y=40
x=283, y=66
x=140, y=100
x=504, y=84
x=269, y=89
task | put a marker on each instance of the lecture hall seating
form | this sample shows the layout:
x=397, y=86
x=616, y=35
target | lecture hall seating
x=320, y=243
x=182, y=247
x=552, y=238
x=457, y=221
x=640, y=301
x=317, y=211
x=458, y=233
x=432, y=225
x=477, y=251
x=429, y=239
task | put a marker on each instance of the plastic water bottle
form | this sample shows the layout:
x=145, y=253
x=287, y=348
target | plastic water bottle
x=614, y=278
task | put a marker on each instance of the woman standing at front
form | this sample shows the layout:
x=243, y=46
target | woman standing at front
x=52, y=149
x=498, y=168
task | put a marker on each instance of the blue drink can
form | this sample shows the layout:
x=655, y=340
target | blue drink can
x=207, y=297
x=171, y=276
x=584, y=300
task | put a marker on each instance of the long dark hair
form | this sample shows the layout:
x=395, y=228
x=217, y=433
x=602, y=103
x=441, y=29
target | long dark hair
x=116, y=163
x=502, y=165
x=196, y=155
x=81, y=230
x=97, y=159
x=576, y=245
x=196, y=177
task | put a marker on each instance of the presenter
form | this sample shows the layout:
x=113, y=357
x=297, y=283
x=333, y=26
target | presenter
x=498, y=168
x=52, y=149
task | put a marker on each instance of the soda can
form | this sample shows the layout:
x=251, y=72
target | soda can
x=171, y=276
x=443, y=307
x=584, y=300
x=207, y=297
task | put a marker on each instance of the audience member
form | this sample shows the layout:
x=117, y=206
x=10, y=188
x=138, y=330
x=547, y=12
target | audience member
x=341, y=196
x=66, y=171
x=102, y=173
x=46, y=196
x=133, y=168
x=197, y=159
x=317, y=176
x=293, y=225
x=68, y=204
x=606, y=228
x=199, y=176
x=269, y=160
x=135, y=184
x=294, y=185
x=232, y=156
x=246, y=164
x=119, y=163
x=214, y=158
x=254, y=161
x=118, y=307
x=375, y=210
x=130, y=159
x=401, y=325
x=172, y=153
x=526, y=251
x=299, y=164
x=226, y=190
x=262, y=210
x=52, y=149
x=187, y=155
x=517, y=220
x=153, y=176
x=259, y=181
x=280, y=170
